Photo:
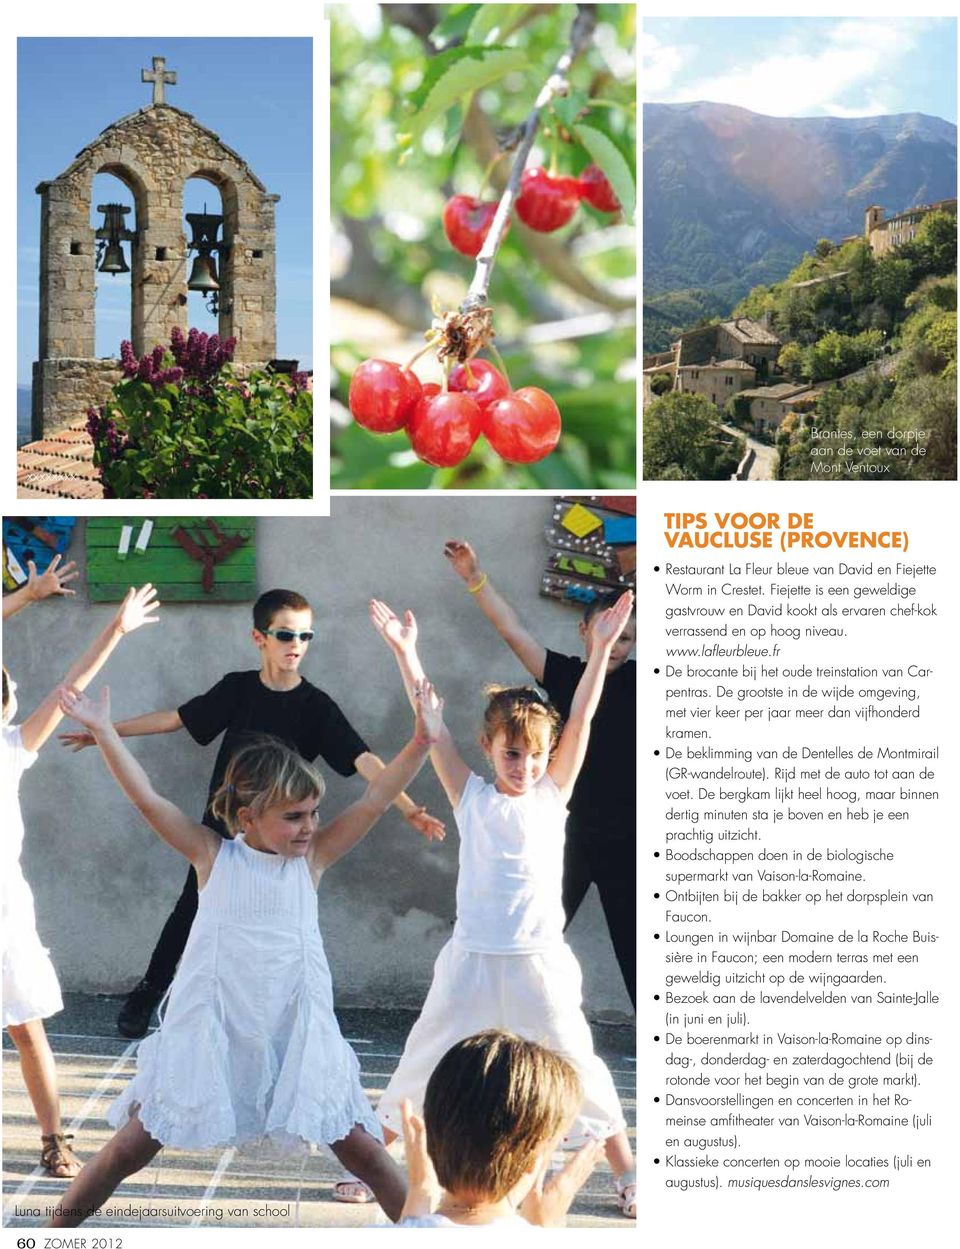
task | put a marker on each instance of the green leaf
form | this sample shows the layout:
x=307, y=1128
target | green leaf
x=605, y=153
x=455, y=25
x=456, y=73
x=493, y=21
x=569, y=107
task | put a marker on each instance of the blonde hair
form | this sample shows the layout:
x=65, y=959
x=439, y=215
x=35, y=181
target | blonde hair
x=264, y=774
x=493, y=1101
x=522, y=713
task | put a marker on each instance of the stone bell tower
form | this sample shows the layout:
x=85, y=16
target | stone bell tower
x=153, y=152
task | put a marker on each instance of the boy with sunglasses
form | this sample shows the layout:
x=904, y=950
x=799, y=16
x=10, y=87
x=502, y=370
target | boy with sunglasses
x=273, y=699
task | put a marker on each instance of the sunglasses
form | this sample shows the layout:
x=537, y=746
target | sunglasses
x=288, y=635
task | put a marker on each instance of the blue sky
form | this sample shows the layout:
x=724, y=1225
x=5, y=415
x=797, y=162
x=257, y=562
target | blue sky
x=804, y=67
x=255, y=93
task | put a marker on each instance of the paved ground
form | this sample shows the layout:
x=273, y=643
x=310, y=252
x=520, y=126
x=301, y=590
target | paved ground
x=59, y=466
x=764, y=467
x=226, y=1188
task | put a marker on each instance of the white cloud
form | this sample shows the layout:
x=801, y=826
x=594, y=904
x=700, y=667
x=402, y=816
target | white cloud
x=660, y=63
x=847, y=70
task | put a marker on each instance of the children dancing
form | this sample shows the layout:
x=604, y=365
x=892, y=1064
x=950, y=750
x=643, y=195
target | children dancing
x=501, y=1060
x=249, y=1046
x=507, y=965
x=273, y=699
x=31, y=991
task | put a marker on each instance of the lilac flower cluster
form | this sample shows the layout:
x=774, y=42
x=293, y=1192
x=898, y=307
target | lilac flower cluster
x=106, y=437
x=150, y=367
x=200, y=356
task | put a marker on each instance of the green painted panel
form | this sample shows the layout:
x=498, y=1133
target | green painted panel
x=176, y=574
x=224, y=592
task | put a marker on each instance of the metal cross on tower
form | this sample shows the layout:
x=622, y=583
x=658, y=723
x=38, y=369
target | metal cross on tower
x=159, y=76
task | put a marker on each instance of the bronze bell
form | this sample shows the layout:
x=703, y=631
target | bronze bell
x=113, y=261
x=203, y=275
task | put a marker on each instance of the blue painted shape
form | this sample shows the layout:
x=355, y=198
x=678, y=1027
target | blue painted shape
x=620, y=529
x=20, y=535
x=580, y=593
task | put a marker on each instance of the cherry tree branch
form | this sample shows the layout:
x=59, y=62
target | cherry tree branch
x=549, y=253
x=581, y=32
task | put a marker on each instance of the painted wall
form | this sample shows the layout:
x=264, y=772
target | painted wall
x=104, y=883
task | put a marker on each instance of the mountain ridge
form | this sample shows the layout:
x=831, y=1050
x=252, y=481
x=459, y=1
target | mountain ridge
x=733, y=198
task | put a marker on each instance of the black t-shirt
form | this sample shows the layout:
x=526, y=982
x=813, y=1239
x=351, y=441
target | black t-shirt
x=240, y=705
x=605, y=795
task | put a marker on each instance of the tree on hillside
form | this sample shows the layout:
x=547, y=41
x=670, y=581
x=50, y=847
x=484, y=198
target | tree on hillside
x=790, y=361
x=893, y=281
x=862, y=269
x=929, y=404
x=836, y=354
x=683, y=440
x=933, y=249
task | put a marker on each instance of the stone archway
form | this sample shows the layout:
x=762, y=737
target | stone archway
x=153, y=151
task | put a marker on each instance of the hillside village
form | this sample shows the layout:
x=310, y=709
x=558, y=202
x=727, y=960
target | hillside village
x=739, y=357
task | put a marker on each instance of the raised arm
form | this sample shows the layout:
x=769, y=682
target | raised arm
x=342, y=834
x=370, y=766
x=572, y=748
x=41, y=585
x=138, y=726
x=196, y=842
x=401, y=637
x=531, y=653
x=133, y=612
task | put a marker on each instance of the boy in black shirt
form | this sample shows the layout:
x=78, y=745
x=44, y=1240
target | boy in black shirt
x=277, y=700
x=601, y=840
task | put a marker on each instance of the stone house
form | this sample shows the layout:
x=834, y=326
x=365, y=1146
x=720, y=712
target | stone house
x=716, y=361
x=749, y=341
x=770, y=404
x=884, y=234
x=742, y=339
x=718, y=380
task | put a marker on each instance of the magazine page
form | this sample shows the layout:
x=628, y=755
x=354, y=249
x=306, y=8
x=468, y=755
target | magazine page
x=516, y=792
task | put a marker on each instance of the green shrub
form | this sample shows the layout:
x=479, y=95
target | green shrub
x=181, y=424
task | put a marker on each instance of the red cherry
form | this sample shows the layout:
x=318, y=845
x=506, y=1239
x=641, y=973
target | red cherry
x=546, y=203
x=442, y=428
x=524, y=427
x=596, y=190
x=430, y=388
x=382, y=395
x=466, y=221
x=486, y=385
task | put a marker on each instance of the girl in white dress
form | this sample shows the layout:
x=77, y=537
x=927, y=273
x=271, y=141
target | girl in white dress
x=507, y=964
x=31, y=991
x=249, y=1046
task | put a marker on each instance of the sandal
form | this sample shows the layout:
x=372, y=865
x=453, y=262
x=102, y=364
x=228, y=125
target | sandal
x=57, y=1157
x=627, y=1194
x=353, y=1191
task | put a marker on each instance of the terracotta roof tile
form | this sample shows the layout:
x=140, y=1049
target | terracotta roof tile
x=59, y=465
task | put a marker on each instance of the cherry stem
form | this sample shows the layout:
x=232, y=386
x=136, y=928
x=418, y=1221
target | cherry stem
x=581, y=32
x=422, y=352
x=488, y=171
x=554, y=151
x=491, y=347
x=444, y=384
